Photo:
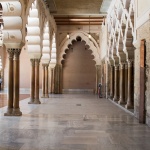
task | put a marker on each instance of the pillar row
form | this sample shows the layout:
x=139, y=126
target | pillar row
x=13, y=83
x=52, y=81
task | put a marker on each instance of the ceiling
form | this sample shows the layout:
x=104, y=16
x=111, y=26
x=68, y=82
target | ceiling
x=76, y=12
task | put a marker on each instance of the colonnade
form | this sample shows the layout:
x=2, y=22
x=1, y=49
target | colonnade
x=121, y=84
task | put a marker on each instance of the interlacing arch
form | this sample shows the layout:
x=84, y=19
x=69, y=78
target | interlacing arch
x=121, y=30
x=46, y=44
x=93, y=46
x=33, y=38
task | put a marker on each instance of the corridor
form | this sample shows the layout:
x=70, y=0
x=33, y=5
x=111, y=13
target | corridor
x=72, y=122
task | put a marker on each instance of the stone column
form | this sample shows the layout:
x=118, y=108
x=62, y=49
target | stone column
x=37, y=100
x=112, y=82
x=116, y=84
x=43, y=82
x=16, y=109
x=10, y=83
x=122, y=85
x=98, y=77
x=46, y=81
x=32, y=83
x=126, y=82
x=52, y=80
x=57, y=79
x=129, y=104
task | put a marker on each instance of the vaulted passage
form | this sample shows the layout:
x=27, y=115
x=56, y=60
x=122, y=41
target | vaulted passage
x=76, y=73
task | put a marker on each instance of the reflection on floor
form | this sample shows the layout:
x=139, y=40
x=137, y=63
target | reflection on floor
x=3, y=98
x=72, y=122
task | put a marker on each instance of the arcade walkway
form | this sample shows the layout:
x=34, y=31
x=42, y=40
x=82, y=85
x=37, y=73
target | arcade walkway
x=72, y=122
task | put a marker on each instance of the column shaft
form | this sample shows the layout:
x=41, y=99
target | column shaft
x=32, y=83
x=16, y=109
x=10, y=83
x=126, y=82
x=112, y=82
x=122, y=85
x=43, y=81
x=46, y=81
x=37, y=100
x=52, y=80
x=116, y=84
x=129, y=104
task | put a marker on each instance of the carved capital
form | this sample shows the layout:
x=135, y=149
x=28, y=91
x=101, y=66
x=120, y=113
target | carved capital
x=37, y=62
x=130, y=62
x=10, y=53
x=17, y=53
x=121, y=66
x=32, y=62
x=116, y=67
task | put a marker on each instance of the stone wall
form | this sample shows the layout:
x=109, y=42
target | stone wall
x=143, y=32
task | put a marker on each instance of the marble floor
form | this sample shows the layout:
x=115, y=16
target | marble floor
x=72, y=122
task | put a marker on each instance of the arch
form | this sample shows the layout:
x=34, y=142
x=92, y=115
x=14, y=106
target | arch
x=53, y=50
x=11, y=25
x=33, y=38
x=84, y=37
x=46, y=44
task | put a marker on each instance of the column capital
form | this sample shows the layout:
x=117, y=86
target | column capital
x=32, y=62
x=17, y=52
x=116, y=67
x=130, y=62
x=122, y=66
x=37, y=62
x=10, y=52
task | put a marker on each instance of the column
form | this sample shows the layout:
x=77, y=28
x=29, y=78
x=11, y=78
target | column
x=98, y=77
x=32, y=83
x=52, y=80
x=16, y=109
x=46, y=81
x=112, y=82
x=122, y=85
x=10, y=82
x=57, y=79
x=126, y=82
x=116, y=84
x=43, y=81
x=129, y=104
x=37, y=100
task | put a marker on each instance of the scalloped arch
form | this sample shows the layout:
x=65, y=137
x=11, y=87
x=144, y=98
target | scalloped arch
x=84, y=37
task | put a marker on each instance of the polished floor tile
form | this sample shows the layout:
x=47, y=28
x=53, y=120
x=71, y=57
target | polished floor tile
x=72, y=122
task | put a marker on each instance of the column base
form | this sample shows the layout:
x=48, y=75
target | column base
x=121, y=102
x=9, y=112
x=16, y=112
x=115, y=99
x=46, y=95
x=31, y=101
x=43, y=96
x=129, y=106
x=37, y=101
